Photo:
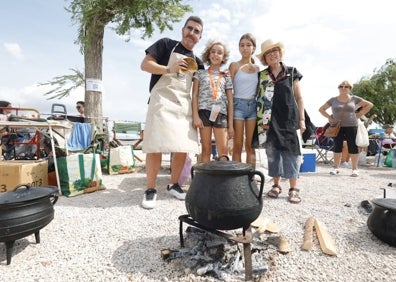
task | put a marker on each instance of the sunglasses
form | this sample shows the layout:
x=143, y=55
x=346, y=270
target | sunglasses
x=343, y=86
x=78, y=107
x=195, y=30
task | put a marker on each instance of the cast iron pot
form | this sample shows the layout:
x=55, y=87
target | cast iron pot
x=223, y=195
x=24, y=211
x=382, y=220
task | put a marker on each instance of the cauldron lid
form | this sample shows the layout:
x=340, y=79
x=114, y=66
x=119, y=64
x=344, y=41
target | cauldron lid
x=224, y=166
x=386, y=203
x=24, y=192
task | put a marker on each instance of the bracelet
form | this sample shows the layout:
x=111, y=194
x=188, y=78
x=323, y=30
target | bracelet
x=167, y=70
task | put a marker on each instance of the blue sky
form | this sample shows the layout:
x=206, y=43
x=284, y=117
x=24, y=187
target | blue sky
x=327, y=41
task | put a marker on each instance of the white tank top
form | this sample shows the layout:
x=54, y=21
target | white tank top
x=245, y=85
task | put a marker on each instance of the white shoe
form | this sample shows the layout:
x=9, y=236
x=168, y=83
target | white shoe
x=355, y=173
x=149, y=199
x=334, y=171
x=176, y=191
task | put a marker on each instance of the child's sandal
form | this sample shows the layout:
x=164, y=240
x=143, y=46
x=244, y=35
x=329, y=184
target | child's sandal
x=275, y=191
x=293, y=196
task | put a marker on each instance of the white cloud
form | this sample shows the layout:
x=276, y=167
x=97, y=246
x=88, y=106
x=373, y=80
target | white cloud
x=15, y=50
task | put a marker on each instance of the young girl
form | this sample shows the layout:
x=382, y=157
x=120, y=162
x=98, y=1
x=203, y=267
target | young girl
x=212, y=101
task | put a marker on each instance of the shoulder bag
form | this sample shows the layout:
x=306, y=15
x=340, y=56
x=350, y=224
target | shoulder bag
x=334, y=129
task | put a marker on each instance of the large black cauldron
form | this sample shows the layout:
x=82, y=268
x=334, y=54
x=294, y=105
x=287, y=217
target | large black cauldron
x=223, y=195
x=382, y=220
x=24, y=211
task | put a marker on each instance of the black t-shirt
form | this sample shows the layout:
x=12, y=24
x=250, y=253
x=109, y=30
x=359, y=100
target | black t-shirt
x=161, y=51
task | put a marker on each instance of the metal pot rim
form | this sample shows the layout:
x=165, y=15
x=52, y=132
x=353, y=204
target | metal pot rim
x=223, y=166
x=24, y=192
x=386, y=203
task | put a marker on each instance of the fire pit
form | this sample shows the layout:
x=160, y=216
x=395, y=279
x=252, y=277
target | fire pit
x=223, y=195
x=24, y=211
x=245, y=238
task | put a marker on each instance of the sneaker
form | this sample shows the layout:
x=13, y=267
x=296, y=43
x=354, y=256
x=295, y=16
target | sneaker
x=334, y=171
x=176, y=191
x=149, y=198
x=355, y=173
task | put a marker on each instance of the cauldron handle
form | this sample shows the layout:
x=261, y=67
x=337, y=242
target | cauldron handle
x=27, y=186
x=259, y=173
x=54, y=198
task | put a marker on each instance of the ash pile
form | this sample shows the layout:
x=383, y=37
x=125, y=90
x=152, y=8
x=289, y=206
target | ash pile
x=207, y=254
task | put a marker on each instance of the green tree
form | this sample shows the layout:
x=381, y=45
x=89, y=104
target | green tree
x=380, y=89
x=122, y=16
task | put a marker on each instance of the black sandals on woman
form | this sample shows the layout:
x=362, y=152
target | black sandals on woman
x=275, y=191
x=293, y=196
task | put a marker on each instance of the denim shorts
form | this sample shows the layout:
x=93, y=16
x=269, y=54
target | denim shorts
x=281, y=163
x=245, y=109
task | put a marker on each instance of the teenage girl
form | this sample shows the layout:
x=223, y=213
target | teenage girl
x=245, y=79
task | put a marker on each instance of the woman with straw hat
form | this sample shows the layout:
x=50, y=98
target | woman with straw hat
x=280, y=114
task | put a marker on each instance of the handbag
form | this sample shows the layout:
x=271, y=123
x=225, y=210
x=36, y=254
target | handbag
x=362, y=139
x=334, y=129
x=79, y=174
x=121, y=160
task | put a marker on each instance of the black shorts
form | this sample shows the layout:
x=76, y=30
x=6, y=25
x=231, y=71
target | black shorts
x=220, y=122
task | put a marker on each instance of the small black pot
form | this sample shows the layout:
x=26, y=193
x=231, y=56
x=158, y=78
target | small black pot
x=24, y=211
x=223, y=195
x=382, y=220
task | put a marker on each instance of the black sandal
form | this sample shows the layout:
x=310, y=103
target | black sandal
x=275, y=191
x=293, y=196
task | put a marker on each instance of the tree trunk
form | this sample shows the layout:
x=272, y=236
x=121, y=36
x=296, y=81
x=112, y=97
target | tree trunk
x=93, y=53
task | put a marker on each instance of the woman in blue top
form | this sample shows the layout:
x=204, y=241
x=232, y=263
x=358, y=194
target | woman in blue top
x=280, y=114
x=212, y=104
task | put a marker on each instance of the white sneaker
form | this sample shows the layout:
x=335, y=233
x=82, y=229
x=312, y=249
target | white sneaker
x=355, y=173
x=334, y=171
x=176, y=191
x=149, y=199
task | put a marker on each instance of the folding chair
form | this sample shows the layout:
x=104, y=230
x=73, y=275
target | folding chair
x=324, y=146
x=130, y=132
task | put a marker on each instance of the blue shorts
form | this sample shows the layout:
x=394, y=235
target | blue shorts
x=245, y=109
x=282, y=163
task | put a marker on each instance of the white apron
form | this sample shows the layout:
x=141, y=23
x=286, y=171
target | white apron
x=169, y=116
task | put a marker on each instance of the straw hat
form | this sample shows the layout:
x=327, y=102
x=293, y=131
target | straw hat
x=268, y=45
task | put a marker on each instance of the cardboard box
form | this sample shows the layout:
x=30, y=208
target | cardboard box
x=13, y=173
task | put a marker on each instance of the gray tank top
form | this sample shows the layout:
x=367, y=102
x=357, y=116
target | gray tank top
x=245, y=85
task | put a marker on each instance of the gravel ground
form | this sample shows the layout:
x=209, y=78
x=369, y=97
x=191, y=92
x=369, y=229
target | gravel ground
x=107, y=236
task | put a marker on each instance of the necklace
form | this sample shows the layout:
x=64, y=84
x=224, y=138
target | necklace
x=214, y=88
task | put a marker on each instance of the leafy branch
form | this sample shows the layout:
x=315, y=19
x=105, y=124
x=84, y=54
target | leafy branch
x=63, y=85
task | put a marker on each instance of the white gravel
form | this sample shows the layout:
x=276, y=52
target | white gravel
x=107, y=236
